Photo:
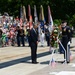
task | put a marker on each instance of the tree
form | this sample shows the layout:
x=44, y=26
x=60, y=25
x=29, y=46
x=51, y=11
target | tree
x=63, y=9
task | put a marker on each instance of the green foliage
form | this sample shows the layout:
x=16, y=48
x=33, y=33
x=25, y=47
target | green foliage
x=72, y=21
x=57, y=21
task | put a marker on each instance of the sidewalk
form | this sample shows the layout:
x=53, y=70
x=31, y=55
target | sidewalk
x=59, y=69
x=17, y=61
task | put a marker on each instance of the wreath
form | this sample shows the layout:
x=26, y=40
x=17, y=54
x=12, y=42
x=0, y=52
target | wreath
x=54, y=38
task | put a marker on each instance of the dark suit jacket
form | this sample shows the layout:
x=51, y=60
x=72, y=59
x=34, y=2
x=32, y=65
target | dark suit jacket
x=33, y=36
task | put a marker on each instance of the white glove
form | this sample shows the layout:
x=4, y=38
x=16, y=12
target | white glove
x=69, y=43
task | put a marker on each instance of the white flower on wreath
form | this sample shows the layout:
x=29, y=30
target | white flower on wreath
x=55, y=31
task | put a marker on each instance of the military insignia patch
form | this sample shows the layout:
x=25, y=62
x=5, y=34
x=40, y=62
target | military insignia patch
x=65, y=29
x=69, y=31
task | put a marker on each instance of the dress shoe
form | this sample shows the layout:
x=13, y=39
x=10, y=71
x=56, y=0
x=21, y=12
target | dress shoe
x=68, y=61
x=35, y=62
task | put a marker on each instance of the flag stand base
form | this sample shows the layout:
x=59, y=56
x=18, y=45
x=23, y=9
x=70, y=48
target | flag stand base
x=64, y=61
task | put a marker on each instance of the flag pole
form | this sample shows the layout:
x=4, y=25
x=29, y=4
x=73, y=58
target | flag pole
x=52, y=61
x=64, y=50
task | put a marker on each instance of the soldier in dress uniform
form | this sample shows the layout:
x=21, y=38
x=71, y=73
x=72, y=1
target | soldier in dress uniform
x=66, y=37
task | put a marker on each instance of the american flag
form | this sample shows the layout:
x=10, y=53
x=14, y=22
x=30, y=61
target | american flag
x=71, y=57
x=53, y=63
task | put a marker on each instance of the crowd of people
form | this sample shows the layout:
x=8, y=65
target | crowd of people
x=16, y=33
x=8, y=31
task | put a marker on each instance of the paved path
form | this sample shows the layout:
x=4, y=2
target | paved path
x=17, y=61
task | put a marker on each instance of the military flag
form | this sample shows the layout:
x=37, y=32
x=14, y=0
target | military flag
x=24, y=13
x=30, y=17
x=35, y=15
x=21, y=16
x=50, y=20
x=42, y=20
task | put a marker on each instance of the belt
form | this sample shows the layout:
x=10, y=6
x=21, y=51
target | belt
x=64, y=35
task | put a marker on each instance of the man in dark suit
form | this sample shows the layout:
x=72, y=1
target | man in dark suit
x=22, y=35
x=18, y=35
x=34, y=43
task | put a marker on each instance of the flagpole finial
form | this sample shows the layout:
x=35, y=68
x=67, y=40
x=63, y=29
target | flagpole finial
x=41, y=5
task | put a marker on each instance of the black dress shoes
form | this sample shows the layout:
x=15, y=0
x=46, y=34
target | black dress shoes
x=68, y=61
x=35, y=62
